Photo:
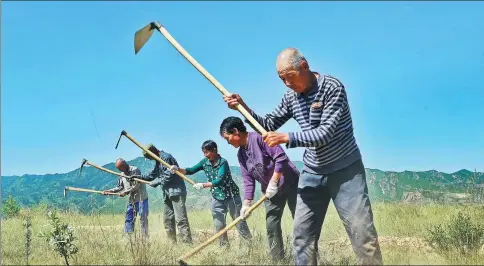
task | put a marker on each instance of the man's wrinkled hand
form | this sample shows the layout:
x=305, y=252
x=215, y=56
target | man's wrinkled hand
x=122, y=194
x=274, y=138
x=233, y=99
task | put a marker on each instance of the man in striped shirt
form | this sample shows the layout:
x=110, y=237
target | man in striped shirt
x=333, y=167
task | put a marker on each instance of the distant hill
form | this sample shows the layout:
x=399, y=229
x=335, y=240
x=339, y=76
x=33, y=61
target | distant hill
x=407, y=186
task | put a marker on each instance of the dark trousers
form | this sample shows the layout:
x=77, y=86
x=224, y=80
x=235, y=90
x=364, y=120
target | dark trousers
x=175, y=213
x=348, y=190
x=219, y=213
x=274, y=211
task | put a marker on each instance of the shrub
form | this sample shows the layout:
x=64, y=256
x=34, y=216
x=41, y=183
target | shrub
x=460, y=234
x=60, y=237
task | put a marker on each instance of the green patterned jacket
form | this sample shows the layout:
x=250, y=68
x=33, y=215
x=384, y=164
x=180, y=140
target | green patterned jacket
x=223, y=186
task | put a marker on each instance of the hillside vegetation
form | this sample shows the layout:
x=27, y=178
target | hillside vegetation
x=412, y=187
x=421, y=217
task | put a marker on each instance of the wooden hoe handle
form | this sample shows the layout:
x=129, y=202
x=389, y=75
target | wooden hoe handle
x=157, y=158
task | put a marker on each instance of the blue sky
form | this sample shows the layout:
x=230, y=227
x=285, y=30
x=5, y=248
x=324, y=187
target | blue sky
x=71, y=82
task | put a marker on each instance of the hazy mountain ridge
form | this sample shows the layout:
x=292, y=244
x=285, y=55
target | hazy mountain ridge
x=407, y=186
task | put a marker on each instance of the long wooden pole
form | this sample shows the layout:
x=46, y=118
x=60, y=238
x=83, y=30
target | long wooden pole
x=239, y=107
x=90, y=190
x=207, y=75
x=156, y=157
x=118, y=174
x=220, y=233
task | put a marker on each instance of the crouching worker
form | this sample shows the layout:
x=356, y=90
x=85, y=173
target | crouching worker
x=225, y=193
x=174, y=194
x=275, y=172
x=138, y=197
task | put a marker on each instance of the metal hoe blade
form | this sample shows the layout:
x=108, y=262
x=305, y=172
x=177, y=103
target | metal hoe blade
x=65, y=192
x=120, y=135
x=84, y=161
x=142, y=36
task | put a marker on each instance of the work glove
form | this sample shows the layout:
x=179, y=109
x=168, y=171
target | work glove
x=243, y=211
x=271, y=190
x=198, y=186
x=173, y=168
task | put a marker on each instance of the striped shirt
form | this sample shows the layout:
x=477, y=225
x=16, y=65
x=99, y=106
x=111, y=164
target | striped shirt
x=324, y=116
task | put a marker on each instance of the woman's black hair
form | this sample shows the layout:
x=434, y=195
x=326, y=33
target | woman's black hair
x=230, y=123
x=209, y=145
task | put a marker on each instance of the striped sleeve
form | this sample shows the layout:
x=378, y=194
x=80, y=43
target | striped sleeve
x=331, y=117
x=118, y=188
x=278, y=117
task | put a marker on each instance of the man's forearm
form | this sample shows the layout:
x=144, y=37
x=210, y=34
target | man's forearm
x=259, y=119
x=115, y=190
x=156, y=182
x=148, y=177
x=270, y=122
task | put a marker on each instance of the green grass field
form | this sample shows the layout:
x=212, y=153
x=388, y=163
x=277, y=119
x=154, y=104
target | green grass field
x=402, y=229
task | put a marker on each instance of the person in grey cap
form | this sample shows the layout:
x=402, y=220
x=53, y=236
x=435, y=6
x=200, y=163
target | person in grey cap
x=174, y=194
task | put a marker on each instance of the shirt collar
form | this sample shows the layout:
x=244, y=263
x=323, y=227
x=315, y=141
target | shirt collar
x=130, y=170
x=314, y=90
x=249, y=135
x=219, y=160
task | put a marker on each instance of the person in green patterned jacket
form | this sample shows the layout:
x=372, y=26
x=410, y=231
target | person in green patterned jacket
x=225, y=193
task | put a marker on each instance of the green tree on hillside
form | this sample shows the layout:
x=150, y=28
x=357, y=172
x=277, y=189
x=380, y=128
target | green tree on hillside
x=10, y=208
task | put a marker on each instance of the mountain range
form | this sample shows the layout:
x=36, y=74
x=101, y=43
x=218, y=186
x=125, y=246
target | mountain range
x=462, y=186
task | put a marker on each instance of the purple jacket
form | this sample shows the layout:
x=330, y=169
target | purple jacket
x=258, y=162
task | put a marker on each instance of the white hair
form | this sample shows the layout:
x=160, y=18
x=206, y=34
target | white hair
x=294, y=57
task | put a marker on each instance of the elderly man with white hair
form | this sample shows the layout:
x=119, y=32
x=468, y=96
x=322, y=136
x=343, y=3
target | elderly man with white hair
x=333, y=167
x=138, y=196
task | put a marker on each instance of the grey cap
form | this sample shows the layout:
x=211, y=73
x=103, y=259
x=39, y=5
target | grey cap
x=149, y=147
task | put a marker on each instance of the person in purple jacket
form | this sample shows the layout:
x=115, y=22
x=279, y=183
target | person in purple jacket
x=261, y=163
